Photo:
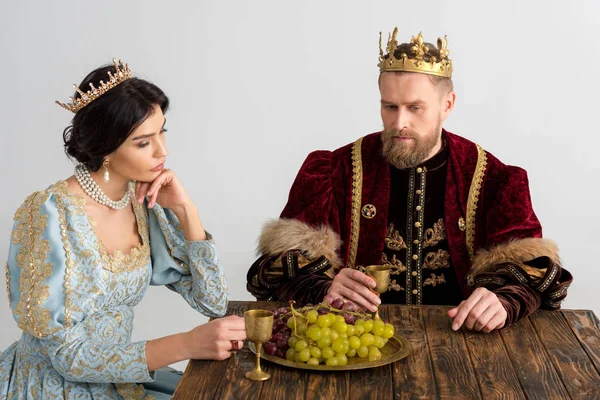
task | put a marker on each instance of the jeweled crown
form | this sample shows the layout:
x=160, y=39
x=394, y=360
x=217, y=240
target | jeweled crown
x=122, y=73
x=416, y=60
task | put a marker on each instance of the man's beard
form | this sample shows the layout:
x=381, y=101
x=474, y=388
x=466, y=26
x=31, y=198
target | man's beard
x=411, y=153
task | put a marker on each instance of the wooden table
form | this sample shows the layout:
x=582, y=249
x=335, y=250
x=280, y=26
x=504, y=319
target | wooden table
x=549, y=355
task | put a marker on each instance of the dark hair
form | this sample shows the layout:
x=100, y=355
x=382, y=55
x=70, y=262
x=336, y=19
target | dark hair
x=104, y=124
x=433, y=51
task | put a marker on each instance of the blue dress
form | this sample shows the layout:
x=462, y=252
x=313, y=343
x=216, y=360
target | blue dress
x=74, y=301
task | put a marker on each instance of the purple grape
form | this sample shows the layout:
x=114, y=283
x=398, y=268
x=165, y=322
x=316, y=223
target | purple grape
x=308, y=305
x=337, y=303
x=282, y=344
x=283, y=310
x=278, y=336
x=279, y=354
x=349, y=319
x=285, y=318
x=323, y=311
x=270, y=348
x=275, y=312
x=349, y=306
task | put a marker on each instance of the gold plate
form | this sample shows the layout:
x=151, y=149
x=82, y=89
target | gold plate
x=395, y=349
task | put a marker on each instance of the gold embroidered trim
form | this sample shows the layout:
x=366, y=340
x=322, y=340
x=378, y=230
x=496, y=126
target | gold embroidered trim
x=434, y=280
x=61, y=191
x=435, y=235
x=357, y=183
x=8, y=285
x=437, y=260
x=393, y=240
x=473, y=199
x=132, y=391
x=32, y=259
x=119, y=261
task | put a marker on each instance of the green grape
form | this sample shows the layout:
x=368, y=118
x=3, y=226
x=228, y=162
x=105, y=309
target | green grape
x=313, y=332
x=292, y=341
x=332, y=361
x=315, y=352
x=362, y=351
x=300, y=326
x=339, y=318
x=342, y=359
x=359, y=330
x=385, y=340
x=388, y=331
x=313, y=361
x=290, y=354
x=297, y=358
x=343, y=335
x=340, y=326
x=378, y=342
x=334, y=335
x=324, y=342
x=351, y=330
x=366, y=339
x=322, y=320
x=326, y=332
x=327, y=353
x=359, y=322
x=354, y=342
x=305, y=355
x=301, y=344
x=290, y=323
x=346, y=346
x=351, y=353
x=338, y=346
x=377, y=329
x=378, y=322
x=374, y=353
x=312, y=316
x=330, y=319
x=368, y=325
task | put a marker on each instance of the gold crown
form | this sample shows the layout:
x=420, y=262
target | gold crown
x=416, y=62
x=121, y=75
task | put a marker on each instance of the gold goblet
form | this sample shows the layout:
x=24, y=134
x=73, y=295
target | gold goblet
x=381, y=274
x=259, y=327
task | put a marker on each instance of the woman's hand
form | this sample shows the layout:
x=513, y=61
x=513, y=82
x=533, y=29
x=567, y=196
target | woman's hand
x=165, y=190
x=214, y=340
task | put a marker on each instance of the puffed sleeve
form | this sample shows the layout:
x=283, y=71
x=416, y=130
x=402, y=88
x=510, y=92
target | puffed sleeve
x=37, y=280
x=191, y=268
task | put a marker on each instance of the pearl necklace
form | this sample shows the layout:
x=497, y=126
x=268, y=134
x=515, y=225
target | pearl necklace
x=89, y=186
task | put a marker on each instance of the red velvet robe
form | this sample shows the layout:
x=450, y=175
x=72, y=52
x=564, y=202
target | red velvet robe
x=494, y=236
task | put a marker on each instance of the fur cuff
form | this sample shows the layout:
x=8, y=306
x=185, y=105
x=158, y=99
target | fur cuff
x=288, y=234
x=517, y=251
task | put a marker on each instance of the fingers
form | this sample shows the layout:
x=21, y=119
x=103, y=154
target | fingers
x=484, y=318
x=360, y=277
x=497, y=322
x=141, y=189
x=452, y=313
x=349, y=284
x=475, y=313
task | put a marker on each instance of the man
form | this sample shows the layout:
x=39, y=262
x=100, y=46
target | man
x=455, y=225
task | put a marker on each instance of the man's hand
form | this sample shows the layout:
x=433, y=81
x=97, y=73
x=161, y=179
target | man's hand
x=355, y=286
x=482, y=311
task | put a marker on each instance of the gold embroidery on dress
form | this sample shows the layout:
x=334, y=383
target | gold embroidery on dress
x=393, y=240
x=119, y=261
x=61, y=191
x=357, y=183
x=395, y=264
x=437, y=260
x=132, y=391
x=8, y=285
x=435, y=235
x=434, y=280
x=473, y=199
x=35, y=269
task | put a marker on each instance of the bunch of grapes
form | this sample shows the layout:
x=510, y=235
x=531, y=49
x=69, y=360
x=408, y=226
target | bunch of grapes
x=327, y=334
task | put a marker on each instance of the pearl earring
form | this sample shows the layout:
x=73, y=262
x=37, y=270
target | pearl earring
x=105, y=164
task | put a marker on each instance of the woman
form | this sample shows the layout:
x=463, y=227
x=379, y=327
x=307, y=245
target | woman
x=84, y=251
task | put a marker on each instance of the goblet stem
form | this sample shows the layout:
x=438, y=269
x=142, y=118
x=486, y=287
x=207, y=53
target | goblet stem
x=376, y=317
x=258, y=350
